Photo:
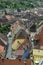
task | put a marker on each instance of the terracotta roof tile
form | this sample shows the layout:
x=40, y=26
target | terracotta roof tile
x=15, y=62
x=9, y=17
x=19, y=52
x=1, y=48
x=16, y=24
x=40, y=37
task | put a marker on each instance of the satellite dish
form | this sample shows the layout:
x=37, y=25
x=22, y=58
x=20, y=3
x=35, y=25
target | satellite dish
x=41, y=62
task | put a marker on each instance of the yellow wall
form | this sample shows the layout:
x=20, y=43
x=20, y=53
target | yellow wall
x=15, y=44
x=38, y=55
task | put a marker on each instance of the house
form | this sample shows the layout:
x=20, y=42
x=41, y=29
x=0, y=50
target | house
x=2, y=49
x=39, y=38
x=16, y=27
x=16, y=24
x=9, y=17
x=19, y=38
x=38, y=56
x=25, y=44
x=3, y=44
x=23, y=48
x=19, y=34
x=15, y=41
x=6, y=18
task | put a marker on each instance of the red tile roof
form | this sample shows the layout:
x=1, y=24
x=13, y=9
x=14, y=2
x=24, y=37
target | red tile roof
x=40, y=37
x=1, y=48
x=9, y=17
x=19, y=52
x=15, y=62
x=16, y=24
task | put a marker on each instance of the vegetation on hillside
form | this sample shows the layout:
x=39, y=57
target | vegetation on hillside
x=5, y=28
x=19, y=4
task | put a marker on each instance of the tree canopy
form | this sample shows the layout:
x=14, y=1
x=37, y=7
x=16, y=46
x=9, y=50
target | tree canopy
x=19, y=4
